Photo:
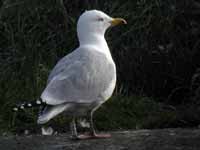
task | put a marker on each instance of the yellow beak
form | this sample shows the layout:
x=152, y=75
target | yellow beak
x=117, y=21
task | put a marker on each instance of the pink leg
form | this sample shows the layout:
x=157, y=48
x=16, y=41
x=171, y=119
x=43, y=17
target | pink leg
x=92, y=136
x=102, y=136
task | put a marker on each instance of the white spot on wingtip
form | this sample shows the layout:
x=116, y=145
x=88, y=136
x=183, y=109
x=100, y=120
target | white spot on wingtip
x=29, y=105
x=15, y=109
x=38, y=102
x=22, y=107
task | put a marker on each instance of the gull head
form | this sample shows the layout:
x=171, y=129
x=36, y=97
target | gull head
x=94, y=22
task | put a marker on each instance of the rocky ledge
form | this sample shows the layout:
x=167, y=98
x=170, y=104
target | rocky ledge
x=162, y=139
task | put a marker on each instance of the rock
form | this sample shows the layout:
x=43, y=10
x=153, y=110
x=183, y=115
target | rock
x=47, y=130
x=162, y=139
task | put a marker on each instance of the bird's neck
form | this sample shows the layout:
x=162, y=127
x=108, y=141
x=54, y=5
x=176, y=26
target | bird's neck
x=96, y=40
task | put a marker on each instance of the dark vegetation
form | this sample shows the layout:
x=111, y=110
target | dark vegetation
x=157, y=56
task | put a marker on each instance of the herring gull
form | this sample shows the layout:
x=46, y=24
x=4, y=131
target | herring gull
x=84, y=79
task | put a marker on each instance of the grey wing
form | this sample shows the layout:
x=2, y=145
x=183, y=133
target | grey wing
x=80, y=78
x=63, y=64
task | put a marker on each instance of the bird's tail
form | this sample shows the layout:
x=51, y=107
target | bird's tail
x=50, y=112
x=30, y=104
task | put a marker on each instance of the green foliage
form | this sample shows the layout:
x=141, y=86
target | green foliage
x=134, y=113
x=157, y=55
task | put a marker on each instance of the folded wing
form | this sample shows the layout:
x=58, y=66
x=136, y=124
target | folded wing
x=81, y=77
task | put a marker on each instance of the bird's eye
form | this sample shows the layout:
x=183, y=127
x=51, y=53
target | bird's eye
x=100, y=19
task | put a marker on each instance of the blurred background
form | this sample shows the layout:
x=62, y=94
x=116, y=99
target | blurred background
x=157, y=56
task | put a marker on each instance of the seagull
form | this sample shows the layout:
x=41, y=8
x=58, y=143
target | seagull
x=84, y=79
